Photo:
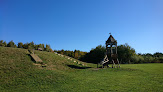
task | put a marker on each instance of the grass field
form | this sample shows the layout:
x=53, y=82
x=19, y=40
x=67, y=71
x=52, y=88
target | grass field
x=18, y=73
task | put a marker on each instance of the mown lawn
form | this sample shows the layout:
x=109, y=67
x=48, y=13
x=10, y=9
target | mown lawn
x=18, y=73
x=133, y=77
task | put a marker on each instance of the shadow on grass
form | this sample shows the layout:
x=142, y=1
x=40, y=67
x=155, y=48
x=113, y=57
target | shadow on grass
x=31, y=58
x=78, y=67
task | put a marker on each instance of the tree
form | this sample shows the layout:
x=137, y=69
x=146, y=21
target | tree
x=20, y=45
x=95, y=55
x=48, y=49
x=25, y=46
x=41, y=46
x=36, y=47
x=11, y=44
x=76, y=54
x=158, y=54
x=125, y=52
x=31, y=45
x=1, y=43
x=148, y=59
x=5, y=44
x=137, y=59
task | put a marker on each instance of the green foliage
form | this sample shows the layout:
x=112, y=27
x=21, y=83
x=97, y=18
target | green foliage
x=36, y=47
x=20, y=45
x=148, y=59
x=137, y=59
x=1, y=43
x=5, y=44
x=26, y=45
x=31, y=45
x=41, y=46
x=157, y=55
x=125, y=52
x=11, y=44
x=95, y=55
x=48, y=49
x=77, y=54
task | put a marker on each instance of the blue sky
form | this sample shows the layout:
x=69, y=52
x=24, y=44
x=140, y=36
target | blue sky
x=83, y=24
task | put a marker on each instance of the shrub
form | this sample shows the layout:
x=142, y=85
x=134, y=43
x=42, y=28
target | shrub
x=5, y=44
x=11, y=44
x=135, y=59
x=20, y=45
x=1, y=43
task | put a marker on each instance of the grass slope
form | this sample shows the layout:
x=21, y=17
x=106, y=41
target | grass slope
x=19, y=73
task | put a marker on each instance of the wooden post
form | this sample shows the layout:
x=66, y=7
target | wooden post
x=111, y=51
x=114, y=63
x=118, y=63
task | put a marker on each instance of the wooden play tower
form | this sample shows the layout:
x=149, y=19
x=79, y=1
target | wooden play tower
x=111, y=55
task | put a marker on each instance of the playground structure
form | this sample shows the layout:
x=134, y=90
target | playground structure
x=111, y=55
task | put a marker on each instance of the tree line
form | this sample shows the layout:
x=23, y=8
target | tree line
x=77, y=54
x=126, y=54
x=30, y=45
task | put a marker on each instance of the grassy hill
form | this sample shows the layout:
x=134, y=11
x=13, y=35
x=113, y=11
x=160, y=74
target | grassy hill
x=18, y=72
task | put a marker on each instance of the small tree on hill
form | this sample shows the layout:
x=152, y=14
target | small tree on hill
x=20, y=45
x=11, y=44
x=41, y=46
x=26, y=45
x=31, y=45
x=1, y=43
x=5, y=44
x=36, y=47
x=76, y=54
x=48, y=48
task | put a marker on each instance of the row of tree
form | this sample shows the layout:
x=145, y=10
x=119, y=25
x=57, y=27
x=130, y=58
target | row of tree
x=126, y=54
x=77, y=54
x=30, y=45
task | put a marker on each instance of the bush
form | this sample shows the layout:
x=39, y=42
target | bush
x=3, y=44
x=135, y=59
x=11, y=44
x=148, y=59
x=20, y=45
x=95, y=55
x=126, y=53
x=141, y=59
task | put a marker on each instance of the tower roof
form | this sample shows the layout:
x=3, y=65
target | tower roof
x=111, y=40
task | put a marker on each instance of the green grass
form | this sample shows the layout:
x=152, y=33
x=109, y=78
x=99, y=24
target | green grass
x=18, y=73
